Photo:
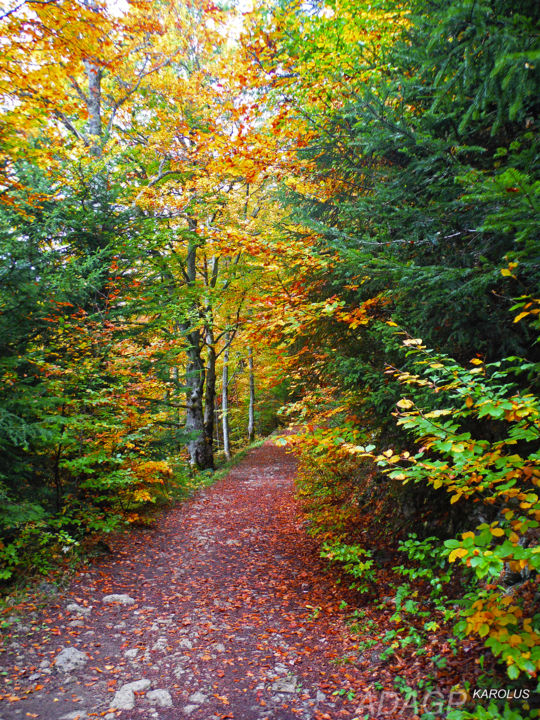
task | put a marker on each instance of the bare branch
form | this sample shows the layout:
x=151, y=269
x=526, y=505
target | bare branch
x=232, y=331
x=162, y=175
x=70, y=127
x=144, y=73
x=26, y=2
x=75, y=85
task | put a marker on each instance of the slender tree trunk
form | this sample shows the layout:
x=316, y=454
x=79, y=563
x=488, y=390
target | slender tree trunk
x=216, y=423
x=251, y=416
x=56, y=470
x=94, y=74
x=225, y=400
x=210, y=389
x=177, y=417
x=98, y=190
x=94, y=124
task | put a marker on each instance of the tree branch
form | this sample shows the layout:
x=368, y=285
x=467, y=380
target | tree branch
x=69, y=126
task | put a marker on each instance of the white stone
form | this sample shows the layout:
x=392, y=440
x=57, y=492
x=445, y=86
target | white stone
x=78, y=609
x=122, y=599
x=160, y=644
x=185, y=643
x=70, y=659
x=138, y=685
x=132, y=653
x=284, y=685
x=197, y=698
x=124, y=698
x=161, y=698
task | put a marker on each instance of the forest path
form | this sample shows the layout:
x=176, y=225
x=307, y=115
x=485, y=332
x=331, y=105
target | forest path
x=224, y=611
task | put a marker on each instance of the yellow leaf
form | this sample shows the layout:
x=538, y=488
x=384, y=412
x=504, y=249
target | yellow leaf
x=457, y=553
x=468, y=534
x=405, y=404
x=455, y=498
x=520, y=316
x=413, y=341
x=476, y=361
x=142, y=496
x=469, y=402
x=497, y=531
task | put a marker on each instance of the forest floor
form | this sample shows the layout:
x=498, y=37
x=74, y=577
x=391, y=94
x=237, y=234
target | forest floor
x=222, y=610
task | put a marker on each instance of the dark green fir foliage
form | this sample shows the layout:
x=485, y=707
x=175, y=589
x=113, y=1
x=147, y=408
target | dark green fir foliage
x=439, y=158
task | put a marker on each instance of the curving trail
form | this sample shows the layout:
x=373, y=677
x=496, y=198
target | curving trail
x=224, y=611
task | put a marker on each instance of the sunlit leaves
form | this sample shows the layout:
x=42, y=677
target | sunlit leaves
x=495, y=473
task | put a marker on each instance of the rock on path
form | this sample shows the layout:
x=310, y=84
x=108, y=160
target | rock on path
x=208, y=616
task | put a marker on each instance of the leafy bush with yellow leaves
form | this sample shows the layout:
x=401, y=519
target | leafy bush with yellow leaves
x=481, y=444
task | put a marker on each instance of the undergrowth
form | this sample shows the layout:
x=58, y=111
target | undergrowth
x=460, y=570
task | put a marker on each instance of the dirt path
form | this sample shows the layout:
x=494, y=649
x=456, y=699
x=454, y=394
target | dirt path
x=224, y=611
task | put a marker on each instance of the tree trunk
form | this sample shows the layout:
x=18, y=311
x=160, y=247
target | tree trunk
x=216, y=423
x=200, y=451
x=251, y=416
x=93, y=74
x=225, y=400
x=210, y=389
x=93, y=97
x=177, y=417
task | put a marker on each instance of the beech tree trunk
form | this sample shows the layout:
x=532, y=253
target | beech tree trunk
x=225, y=399
x=251, y=416
x=94, y=74
x=199, y=449
x=210, y=388
x=177, y=414
x=216, y=423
